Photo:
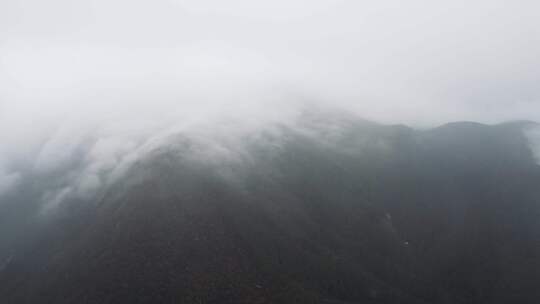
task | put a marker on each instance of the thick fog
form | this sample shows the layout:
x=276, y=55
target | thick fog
x=110, y=76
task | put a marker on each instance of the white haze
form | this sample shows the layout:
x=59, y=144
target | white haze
x=111, y=76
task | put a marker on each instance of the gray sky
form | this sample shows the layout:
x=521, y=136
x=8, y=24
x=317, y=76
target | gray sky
x=131, y=66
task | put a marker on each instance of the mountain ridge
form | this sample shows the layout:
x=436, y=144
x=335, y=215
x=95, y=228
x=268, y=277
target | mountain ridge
x=359, y=213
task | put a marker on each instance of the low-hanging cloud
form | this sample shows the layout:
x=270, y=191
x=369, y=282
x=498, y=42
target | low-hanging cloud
x=92, y=85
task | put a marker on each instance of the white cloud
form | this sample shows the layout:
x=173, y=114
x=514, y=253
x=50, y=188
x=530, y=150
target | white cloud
x=53, y=198
x=118, y=76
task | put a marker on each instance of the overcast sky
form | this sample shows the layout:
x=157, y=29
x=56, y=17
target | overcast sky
x=79, y=64
x=397, y=61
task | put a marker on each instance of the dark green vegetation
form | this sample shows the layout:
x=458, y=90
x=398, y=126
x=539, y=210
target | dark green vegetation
x=337, y=210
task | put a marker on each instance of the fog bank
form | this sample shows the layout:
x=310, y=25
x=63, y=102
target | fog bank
x=109, y=75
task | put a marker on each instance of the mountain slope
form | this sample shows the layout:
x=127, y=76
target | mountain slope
x=333, y=210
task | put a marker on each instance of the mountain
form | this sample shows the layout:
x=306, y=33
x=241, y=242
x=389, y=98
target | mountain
x=332, y=209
